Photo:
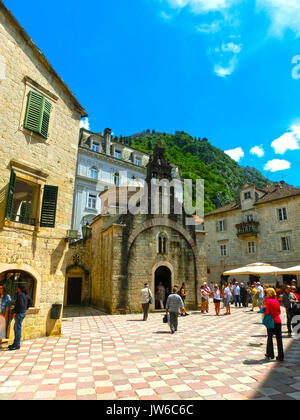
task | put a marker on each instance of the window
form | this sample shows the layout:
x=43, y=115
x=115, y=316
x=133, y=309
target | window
x=92, y=201
x=117, y=179
x=223, y=249
x=282, y=214
x=117, y=154
x=95, y=147
x=162, y=243
x=137, y=161
x=249, y=218
x=221, y=225
x=93, y=172
x=37, y=117
x=286, y=243
x=247, y=195
x=251, y=248
x=22, y=202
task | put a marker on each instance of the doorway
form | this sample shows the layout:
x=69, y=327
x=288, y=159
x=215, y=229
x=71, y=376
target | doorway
x=74, y=291
x=163, y=282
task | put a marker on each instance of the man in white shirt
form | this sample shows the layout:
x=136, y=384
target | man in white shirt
x=146, y=298
x=261, y=295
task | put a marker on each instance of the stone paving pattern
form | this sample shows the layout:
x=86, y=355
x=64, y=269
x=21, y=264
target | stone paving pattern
x=103, y=357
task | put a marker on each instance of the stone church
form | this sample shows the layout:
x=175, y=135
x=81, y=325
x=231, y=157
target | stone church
x=109, y=266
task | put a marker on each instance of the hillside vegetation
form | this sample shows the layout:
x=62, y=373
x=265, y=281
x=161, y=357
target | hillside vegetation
x=197, y=158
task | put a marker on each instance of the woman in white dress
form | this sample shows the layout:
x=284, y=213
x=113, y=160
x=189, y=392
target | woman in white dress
x=5, y=302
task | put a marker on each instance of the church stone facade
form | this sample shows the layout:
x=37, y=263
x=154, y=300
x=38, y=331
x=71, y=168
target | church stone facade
x=126, y=250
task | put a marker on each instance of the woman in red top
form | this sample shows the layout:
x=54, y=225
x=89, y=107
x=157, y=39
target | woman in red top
x=273, y=308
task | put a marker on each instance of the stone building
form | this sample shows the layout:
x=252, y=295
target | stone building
x=263, y=225
x=126, y=250
x=103, y=162
x=39, y=125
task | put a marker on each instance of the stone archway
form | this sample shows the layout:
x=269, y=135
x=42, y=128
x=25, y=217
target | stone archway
x=162, y=272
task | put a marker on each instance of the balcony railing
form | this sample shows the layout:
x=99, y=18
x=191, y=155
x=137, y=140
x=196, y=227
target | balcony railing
x=247, y=229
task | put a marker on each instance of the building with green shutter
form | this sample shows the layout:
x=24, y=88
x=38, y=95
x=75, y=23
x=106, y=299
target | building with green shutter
x=39, y=128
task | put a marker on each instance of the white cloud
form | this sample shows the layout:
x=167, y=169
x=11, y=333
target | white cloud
x=231, y=47
x=202, y=6
x=284, y=14
x=236, y=154
x=277, y=165
x=258, y=151
x=85, y=123
x=210, y=28
x=288, y=141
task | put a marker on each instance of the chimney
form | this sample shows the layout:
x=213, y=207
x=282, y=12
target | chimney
x=107, y=140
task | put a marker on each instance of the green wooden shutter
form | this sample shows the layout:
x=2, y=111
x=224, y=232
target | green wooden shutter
x=48, y=214
x=38, y=112
x=10, y=195
x=46, y=118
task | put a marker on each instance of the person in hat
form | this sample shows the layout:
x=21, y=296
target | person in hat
x=146, y=299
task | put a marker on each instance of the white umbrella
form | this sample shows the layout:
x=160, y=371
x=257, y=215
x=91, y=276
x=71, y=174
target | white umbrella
x=256, y=269
x=292, y=270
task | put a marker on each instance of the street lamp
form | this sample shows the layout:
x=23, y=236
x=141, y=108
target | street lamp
x=86, y=231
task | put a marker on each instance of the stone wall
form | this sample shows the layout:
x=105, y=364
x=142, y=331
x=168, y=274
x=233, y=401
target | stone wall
x=39, y=251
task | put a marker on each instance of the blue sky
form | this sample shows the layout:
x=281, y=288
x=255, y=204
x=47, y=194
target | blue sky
x=220, y=69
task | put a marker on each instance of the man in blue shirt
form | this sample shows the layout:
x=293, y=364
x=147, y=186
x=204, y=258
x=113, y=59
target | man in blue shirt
x=23, y=302
x=237, y=294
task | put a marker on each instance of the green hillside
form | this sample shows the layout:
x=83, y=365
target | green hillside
x=197, y=158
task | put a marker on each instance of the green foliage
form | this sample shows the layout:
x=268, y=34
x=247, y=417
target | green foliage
x=198, y=159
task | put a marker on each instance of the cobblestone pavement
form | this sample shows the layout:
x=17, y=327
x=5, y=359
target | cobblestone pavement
x=120, y=357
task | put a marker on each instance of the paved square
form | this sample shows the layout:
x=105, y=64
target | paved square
x=121, y=357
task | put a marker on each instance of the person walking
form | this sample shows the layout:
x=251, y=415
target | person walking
x=227, y=299
x=23, y=303
x=183, y=293
x=288, y=301
x=273, y=308
x=217, y=299
x=5, y=303
x=173, y=306
x=237, y=294
x=261, y=295
x=254, y=297
x=205, y=293
x=146, y=298
x=244, y=295
x=161, y=295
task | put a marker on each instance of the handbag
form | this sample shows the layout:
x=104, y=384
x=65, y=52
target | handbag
x=268, y=322
x=150, y=299
x=165, y=319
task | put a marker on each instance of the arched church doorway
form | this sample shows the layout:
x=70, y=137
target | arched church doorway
x=163, y=284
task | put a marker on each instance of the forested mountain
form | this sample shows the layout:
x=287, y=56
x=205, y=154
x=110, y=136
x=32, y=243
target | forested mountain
x=197, y=158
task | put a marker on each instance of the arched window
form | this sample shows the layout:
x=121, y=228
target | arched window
x=162, y=243
x=93, y=173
